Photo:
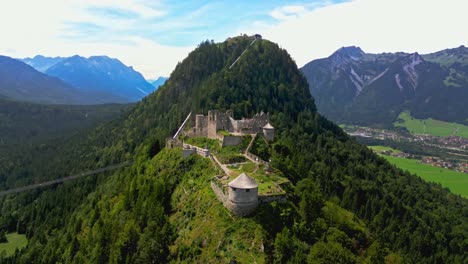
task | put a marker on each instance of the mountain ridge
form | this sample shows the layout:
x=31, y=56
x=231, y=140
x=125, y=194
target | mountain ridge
x=159, y=81
x=19, y=81
x=42, y=63
x=347, y=83
x=102, y=74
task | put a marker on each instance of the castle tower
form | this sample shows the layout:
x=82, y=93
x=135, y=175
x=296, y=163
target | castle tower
x=243, y=195
x=269, y=132
x=199, y=122
x=212, y=123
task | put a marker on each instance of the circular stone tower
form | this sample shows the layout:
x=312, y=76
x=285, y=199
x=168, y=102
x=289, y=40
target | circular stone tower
x=269, y=132
x=243, y=195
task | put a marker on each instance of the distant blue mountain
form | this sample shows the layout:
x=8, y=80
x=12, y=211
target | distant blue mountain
x=21, y=82
x=42, y=63
x=102, y=74
x=158, y=82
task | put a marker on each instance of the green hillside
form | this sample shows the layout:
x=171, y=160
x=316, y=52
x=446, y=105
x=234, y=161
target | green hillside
x=431, y=126
x=347, y=205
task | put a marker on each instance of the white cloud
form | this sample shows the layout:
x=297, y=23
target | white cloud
x=149, y=58
x=374, y=25
x=287, y=12
x=142, y=8
x=34, y=27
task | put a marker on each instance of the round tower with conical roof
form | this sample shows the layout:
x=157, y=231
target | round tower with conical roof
x=269, y=132
x=243, y=195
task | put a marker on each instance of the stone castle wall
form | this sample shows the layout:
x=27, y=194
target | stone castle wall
x=257, y=159
x=252, y=125
x=231, y=141
x=218, y=190
x=217, y=121
x=271, y=198
x=209, y=125
x=188, y=152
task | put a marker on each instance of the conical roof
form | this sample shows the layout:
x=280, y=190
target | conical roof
x=243, y=182
x=268, y=126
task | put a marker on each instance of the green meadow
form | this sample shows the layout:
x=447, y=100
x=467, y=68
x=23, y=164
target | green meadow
x=456, y=181
x=431, y=126
x=383, y=148
x=15, y=241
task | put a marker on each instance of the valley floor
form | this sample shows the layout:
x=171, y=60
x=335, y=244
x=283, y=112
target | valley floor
x=439, y=159
x=457, y=182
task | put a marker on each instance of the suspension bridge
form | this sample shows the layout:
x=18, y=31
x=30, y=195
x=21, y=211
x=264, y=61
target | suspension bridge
x=65, y=179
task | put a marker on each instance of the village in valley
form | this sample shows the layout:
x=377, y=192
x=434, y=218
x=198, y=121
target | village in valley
x=455, y=146
x=240, y=149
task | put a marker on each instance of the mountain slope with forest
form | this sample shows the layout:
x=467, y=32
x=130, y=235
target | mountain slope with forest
x=355, y=87
x=22, y=122
x=347, y=205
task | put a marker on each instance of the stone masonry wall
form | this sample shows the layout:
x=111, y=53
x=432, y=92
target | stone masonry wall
x=271, y=198
x=209, y=125
x=231, y=141
x=222, y=197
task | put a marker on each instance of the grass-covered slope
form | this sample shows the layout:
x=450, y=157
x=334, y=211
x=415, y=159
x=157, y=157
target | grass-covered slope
x=14, y=241
x=348, y=204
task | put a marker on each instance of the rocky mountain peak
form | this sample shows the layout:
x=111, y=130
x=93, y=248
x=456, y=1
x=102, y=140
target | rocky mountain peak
x=345, y=55
x=460, y=51
x=409, y=64
x=351, y=52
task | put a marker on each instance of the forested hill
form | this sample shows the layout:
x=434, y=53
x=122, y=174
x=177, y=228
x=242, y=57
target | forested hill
x=347, y=205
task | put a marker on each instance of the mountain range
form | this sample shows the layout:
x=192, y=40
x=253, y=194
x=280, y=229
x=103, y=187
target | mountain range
x=355, y=87
x=158, y=82
x=42, y=63
x=102, y=74
x=108, y=79
x=19, y=81
x=345, y=204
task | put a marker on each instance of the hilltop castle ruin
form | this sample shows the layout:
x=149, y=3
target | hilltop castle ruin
x=208, y=126
x=240, y=195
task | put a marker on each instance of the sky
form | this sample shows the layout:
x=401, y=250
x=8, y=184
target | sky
x=154, y=35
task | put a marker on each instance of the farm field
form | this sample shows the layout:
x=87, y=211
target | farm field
x=15, y=241
x=431, y=126
x=456, y=181
x=383, y=148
